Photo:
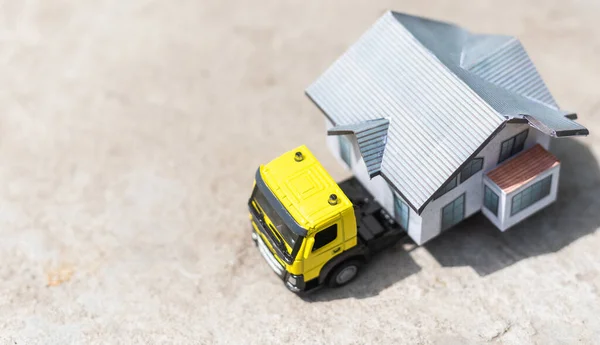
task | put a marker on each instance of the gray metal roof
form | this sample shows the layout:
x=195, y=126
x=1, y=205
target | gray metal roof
x=502, y=60
x=441, y=91
x=371, y=136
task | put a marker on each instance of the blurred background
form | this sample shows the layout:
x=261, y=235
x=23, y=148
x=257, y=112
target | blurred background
x=130, y=132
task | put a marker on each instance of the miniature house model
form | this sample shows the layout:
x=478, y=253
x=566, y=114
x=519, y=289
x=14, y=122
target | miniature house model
x=439, y=123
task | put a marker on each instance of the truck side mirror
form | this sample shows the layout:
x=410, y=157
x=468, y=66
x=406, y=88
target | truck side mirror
x=309, y=246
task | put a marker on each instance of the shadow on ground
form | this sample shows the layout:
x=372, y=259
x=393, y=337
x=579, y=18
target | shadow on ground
x=478, y=244
x=576, y=213
x=387, y=268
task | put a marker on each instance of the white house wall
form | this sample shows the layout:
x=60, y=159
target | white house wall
x=496, y=219
x=377, y=186
x=473, y=187
x=540, y=138
x=428, y=225
x=508, y=220
x=491, y=152
x=333, y=143
x=381, y=190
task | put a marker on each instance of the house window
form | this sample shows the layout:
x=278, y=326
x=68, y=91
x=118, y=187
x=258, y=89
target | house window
x=530, y=195
x=453, y=213
x=324, y=237
x=401, y=212
x=447, y=187
x=512, y=146
x=471, y=169
x=346, y=150
x=490, y=200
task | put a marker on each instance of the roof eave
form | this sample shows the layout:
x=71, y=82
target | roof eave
x=371, y=138
x=571, y=116
x=539, y=125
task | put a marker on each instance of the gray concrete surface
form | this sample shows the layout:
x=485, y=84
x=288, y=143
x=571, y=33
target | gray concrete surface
x=129, y=135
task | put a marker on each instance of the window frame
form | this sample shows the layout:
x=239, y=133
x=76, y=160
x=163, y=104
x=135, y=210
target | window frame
x=471, y=172
x=317, y=246
x=463, y=196
x=544, y=188
x=495, y=200
x=401, y=209
x=445, y=189
x=514, y=149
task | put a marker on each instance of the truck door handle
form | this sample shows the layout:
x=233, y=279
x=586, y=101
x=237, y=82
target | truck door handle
x=336, y=250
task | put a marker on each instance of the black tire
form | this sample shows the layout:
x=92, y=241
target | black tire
x=344, y=273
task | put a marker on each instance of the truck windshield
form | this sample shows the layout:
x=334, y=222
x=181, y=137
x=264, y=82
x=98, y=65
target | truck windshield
x=284, y=231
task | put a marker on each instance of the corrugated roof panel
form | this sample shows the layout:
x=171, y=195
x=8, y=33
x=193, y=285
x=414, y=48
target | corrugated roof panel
x=542, y=116
x=371, y=137
x=478, y=47
x=444, y=93
x=510, y=67
x=389, y=74
x=498, y=69
x=556, y=126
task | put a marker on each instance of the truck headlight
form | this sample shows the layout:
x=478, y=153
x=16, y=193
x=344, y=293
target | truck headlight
x=294, y=283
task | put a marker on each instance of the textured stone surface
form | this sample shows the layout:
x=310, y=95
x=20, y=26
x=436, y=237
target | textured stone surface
x=129, y=135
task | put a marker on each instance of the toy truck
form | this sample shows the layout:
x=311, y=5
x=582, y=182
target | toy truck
x=436, y=124
x=311, y=230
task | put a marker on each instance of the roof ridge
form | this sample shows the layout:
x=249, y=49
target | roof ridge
x=407, y=69
x=463, y=52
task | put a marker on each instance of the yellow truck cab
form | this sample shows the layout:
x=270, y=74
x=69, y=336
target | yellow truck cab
x=305, y=225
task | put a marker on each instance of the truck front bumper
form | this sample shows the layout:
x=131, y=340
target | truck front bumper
x=294, y=283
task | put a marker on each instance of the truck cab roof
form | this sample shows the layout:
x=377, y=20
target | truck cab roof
x=304, y=188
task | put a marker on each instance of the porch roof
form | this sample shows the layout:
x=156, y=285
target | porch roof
x=523, y=168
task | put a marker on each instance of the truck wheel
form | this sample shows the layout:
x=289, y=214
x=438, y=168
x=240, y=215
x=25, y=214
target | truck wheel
x=344, y=273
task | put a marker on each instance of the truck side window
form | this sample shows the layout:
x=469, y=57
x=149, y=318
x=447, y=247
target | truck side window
x=324, y=237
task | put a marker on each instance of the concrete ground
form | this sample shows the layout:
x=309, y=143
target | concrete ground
x=130, y=132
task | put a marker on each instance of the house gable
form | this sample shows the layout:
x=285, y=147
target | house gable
x=435, y=84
